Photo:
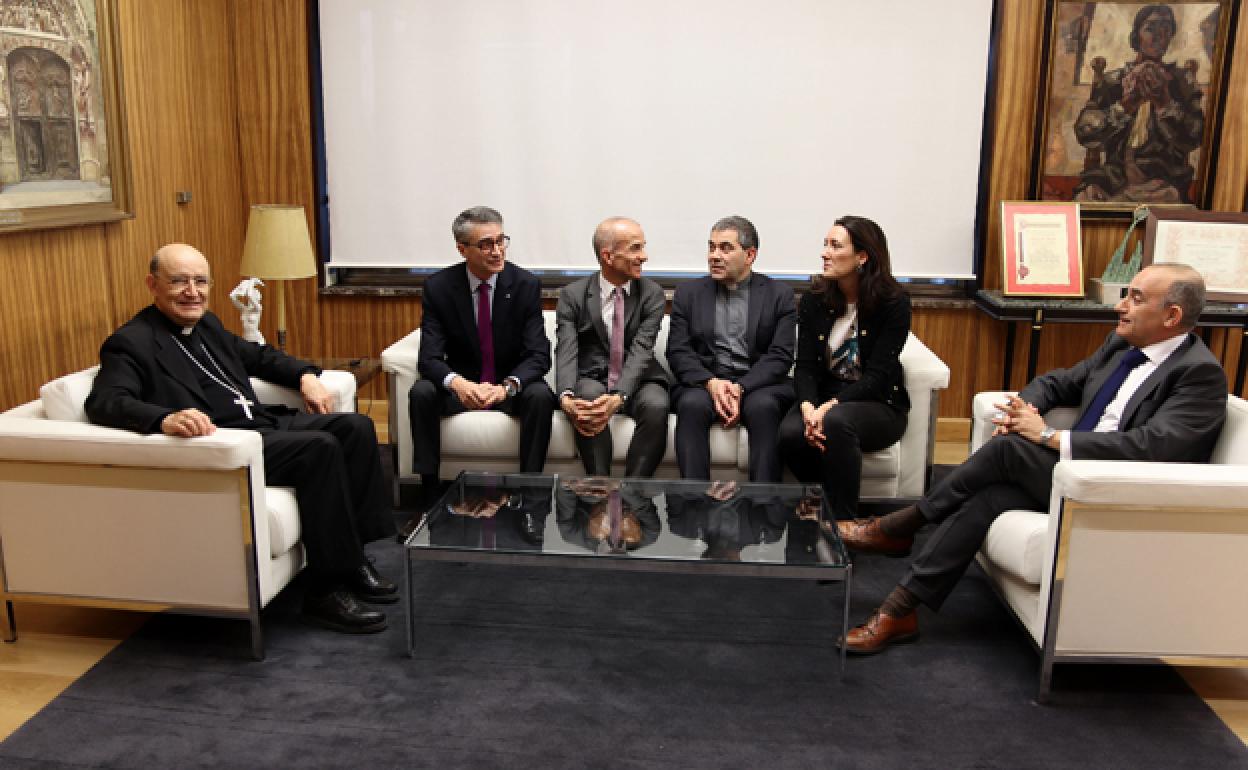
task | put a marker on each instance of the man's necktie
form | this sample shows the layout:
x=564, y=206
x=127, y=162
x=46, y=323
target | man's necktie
x=615, y=520
x=617, y=339
x=485, y=332
x=1096, y=409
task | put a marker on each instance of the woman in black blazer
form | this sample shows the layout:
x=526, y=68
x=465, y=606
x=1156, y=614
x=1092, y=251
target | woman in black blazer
x=851, y=397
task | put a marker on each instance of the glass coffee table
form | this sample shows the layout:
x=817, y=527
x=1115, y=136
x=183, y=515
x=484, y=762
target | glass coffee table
x=647, y=525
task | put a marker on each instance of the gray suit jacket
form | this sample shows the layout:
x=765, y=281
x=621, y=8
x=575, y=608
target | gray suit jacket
x=582, y=349
x=1175, y=415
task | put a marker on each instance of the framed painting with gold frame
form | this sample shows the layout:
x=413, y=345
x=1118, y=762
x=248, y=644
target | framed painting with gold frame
x=1041, y=249
x=63, y=154
x=1128, y=109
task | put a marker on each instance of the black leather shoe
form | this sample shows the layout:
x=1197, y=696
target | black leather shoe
x=340, y=611
x=371, y=587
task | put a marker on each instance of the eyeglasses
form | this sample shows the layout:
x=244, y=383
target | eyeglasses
x=180, y=282
x=488, y=244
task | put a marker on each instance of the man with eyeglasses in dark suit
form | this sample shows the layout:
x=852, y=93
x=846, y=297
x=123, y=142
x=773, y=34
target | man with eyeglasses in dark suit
x=483, y=345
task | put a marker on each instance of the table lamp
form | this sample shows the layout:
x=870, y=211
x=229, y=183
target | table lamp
x=279, y=249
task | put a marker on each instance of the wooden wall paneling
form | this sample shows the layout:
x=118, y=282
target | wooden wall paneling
x=54, y=301
x=148, y=87
x=988, y=364
x=365, y=326
x=214, y=221
x=1231, y=176
x=1017, y=50
x=1226, y=344
x=183, y=137
x=944, y=331
x=275, y=140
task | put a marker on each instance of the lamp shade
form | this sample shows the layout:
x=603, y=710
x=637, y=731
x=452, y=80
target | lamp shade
x=278, y=245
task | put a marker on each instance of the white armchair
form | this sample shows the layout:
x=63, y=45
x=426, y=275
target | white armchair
x=489, y=441
x=104, y=517
x=1133, y=561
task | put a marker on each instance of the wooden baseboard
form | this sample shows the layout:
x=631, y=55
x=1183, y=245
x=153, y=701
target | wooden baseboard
x=953, y=429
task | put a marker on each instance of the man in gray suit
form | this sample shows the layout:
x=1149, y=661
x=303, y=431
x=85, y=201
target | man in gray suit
x=604, y=353
x=1153, y=392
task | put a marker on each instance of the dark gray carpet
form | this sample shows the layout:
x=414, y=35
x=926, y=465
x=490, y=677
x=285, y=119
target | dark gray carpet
x=556, y=668
x=551, y=668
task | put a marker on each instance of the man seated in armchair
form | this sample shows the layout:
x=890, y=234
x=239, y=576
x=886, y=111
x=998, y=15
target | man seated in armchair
x=174, y=369
x=1152, y=392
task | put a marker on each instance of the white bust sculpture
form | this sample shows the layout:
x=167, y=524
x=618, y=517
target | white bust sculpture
x=246, y=297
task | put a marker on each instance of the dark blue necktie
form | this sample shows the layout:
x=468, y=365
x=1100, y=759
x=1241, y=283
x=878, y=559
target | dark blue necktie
x=1096, y=409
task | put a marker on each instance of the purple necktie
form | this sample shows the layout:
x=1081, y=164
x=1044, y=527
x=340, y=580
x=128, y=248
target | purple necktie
x=615, y=522
x=617, y=339
x=1096, y=409
x=485, y=332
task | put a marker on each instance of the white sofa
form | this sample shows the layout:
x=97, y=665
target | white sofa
x=1133, y=561
x=489, y=441
x=105, y=517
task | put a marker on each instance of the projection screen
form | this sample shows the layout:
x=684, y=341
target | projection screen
x=560, y=113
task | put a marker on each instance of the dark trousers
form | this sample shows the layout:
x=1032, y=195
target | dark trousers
x=1006, y=473
x=649, y=408
x=761, y=412
x=334, y=465
x=849, y=429
x=428, y=402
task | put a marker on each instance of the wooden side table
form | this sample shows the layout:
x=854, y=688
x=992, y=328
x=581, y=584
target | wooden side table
x=363, y=369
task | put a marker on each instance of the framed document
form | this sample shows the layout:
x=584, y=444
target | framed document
x=1213, y=242
x=1042, y=250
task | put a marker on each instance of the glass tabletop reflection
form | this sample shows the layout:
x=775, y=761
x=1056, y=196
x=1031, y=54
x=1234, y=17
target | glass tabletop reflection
x=721, y=522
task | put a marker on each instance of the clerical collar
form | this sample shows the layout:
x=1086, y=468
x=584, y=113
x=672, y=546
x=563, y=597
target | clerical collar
x=175, y=328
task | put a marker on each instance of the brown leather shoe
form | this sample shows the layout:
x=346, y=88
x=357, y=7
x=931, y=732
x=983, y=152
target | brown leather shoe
x=880, y=631
x=865, y=535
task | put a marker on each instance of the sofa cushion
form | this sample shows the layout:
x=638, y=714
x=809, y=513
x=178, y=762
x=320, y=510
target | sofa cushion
x=1015, y=543
x=283, y=519
x=884, y=464
x=496, y=436
x=64, y=397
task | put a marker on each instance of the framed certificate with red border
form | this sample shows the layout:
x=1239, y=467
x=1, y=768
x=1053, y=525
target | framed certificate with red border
x=1041, y=249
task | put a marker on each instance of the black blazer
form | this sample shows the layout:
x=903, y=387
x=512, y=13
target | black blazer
x=144, y=376
x=881, y=336
x=769, y=332
x=448, y=337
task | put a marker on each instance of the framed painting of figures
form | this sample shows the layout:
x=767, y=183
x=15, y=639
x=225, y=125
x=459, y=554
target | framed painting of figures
x=1128, y=110
x=62, y=125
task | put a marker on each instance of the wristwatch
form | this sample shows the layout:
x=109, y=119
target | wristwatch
x=1047, y=434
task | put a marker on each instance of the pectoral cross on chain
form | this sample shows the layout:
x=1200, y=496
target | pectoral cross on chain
x=245, y=404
